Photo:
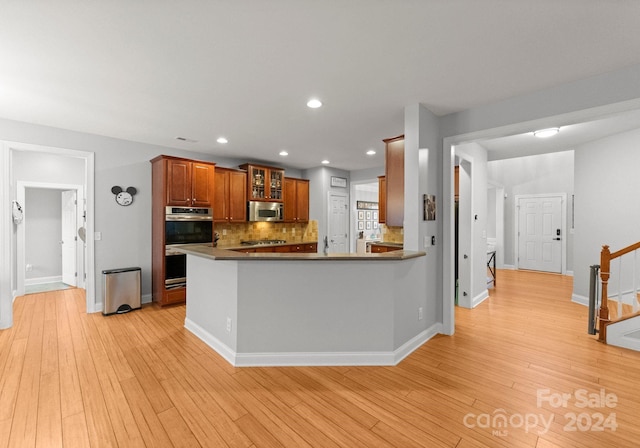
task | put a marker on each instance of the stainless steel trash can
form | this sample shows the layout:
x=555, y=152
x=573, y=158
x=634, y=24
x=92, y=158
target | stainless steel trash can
x=121, y=290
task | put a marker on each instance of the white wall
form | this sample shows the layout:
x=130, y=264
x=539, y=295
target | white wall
x=541, y=174
x=607, y=204
x=43, y=230
x=477, y=225
x=423, y=175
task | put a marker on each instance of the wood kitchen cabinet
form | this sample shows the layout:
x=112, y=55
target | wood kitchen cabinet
x=230, y=196
x=177, y=182
x=382, y=248
x=189, y=183
x=382, y=199
x=296, y=200
x=309, y=248
x=394, y=176
x=264, y=183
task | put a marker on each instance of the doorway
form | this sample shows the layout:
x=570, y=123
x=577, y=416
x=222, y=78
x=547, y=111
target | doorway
x=50, y=244
x=338, y=223
x=540, y=227
x=35, y=163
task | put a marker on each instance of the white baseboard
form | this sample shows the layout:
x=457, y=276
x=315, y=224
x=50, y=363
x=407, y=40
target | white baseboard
x=581, y=300
x=475, y=301
x=569, y=273
x=312, y=359
x=42, y=280
x=146, y=298
x=509, y=267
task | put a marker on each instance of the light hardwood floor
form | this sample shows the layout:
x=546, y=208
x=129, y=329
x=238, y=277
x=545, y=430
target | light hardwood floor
x=140, y=379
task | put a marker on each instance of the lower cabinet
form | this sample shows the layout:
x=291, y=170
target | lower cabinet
x=381, y=248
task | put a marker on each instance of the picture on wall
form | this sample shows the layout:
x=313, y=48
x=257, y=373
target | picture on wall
x=429, y=207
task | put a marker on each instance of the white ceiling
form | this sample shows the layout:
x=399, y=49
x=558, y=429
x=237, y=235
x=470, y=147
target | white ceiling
x=150, y=71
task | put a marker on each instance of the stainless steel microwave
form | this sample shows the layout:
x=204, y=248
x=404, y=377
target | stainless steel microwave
x=266, y=211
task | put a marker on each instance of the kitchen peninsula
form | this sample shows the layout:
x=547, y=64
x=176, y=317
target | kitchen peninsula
x=268, y=309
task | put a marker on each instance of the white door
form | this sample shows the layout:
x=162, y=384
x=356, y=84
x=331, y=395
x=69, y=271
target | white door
x=540, y=233
x=338, y=228
x=68, y=239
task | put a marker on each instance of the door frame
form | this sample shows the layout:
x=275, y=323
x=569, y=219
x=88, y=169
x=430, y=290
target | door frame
x=21, y=241
x=563, y=226
x=7, y=227
x=347, y=214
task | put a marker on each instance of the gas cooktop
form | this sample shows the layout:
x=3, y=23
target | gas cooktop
x=261, y=242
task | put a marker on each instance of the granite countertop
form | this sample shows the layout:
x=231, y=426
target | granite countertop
x=253, y=246
x=219, y=253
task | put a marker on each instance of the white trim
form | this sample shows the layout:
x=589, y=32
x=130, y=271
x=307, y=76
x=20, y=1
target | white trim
x=7, y=293
x=6, y=237
x=509, y=267
x=42, y=280
x=580, y=300
x=146, y=298
x=473, y=302
x=312, y=359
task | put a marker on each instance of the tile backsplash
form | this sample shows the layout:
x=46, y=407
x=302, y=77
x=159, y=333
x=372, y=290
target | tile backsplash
x=392, y=234
x=290, y=232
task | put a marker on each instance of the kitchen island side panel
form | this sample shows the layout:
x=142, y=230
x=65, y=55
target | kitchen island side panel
x=315, y=306
x=212, y=290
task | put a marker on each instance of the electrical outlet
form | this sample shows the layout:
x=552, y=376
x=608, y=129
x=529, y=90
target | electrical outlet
x=420, y=314
x=224, y=232
x=293, y=231
x=284, y=230
x=426, y=242
x=97, y=236
x=228, y=325
x=29, y=267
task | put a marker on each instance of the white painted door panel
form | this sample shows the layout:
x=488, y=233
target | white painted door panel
x=68, y=239
x=540, y=233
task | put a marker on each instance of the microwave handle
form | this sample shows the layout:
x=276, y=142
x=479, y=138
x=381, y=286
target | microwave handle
x=281, y=212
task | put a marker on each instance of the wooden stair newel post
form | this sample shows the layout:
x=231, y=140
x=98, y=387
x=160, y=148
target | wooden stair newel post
x=603, y=314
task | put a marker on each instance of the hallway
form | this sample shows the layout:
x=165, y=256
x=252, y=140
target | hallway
x=140, y=379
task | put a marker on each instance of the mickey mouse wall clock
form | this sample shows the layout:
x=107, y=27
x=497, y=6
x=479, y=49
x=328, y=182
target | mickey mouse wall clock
x=124, y=197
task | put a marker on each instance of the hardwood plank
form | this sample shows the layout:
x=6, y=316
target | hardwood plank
x=177, y=429
x=71, y=379
x=146, y=419
x=74, y=431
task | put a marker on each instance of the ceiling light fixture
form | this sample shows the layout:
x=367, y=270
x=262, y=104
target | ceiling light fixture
x=371, y=152
x=314, y=103
x=544, y=133
x=283, y=153
x=325, y=162
x=222, y=140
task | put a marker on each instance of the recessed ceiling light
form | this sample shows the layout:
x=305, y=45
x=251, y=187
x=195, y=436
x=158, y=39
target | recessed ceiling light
x=314, y=103
x=222, y=140
x=544, y=133
x=283, y=153
x=325, y=162
x=371, y=152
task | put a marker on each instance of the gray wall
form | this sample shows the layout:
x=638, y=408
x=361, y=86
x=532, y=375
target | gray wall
x=541, y=174
x=607, y=205
x=43, y=230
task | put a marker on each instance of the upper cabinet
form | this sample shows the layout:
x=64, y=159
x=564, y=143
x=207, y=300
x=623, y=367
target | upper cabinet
x=296, y=200
x=189, y=183
x=382, y=199
x=394, y=176
x=264, y=183
x=230, y=197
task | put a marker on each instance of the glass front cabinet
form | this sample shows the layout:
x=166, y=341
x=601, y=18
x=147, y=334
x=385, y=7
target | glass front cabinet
x=264, y=183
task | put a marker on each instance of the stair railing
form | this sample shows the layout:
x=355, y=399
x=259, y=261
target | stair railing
x=604, y=315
